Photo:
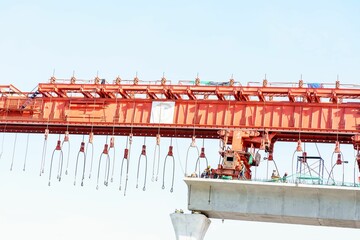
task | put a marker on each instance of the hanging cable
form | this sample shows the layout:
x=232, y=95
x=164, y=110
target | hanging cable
x=105, y=153
x=112, y=141
x=45, y=140
x=57, y=148
x=81, y=151
x=13, y=154
x=60, y=163
x=202, y=156
x=66, y=136
x=193, y=139
x=127, y=152
x=336, y=150
x=112, y=146
x=91, y=137
x=46, y=135
x=192, y=146
x=26, y=150
x=178, y=154
x=157, y=145
x=156, y=153
x=90, y=142
x=126, y=158
x=337, y=145
x=171, y=155
x=321, y=165
x=66, y=140
x=143, y=153
x=339, y=161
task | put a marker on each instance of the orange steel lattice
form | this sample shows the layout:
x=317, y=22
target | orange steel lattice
x=323, y=114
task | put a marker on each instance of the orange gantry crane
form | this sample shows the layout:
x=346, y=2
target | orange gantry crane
x=252, y=116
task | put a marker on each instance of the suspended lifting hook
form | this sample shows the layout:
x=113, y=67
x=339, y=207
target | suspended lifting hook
x=126, y=157
x=66, y=139
x=157, y=147
x=202, y=155
x=298, y=149
x=339, y=161
x=107, y=166
x=57, y=148
x=82, y=150
x=91, y=138
x=170, y=154
x=143, y=153
x=112, y=146
x=42, y=166
x=192, y=145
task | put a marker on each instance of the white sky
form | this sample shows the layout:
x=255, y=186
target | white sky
x=283, y=39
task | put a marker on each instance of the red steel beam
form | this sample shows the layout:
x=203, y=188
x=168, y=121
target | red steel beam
x=197, y=92
x=320, y=112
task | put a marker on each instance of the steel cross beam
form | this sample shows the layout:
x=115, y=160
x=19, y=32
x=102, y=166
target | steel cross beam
x=320, y=114
x=198, y=92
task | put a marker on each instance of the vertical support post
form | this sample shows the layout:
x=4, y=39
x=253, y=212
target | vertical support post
x=190, y=226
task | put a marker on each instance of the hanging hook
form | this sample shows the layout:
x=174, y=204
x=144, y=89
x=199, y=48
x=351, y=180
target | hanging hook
x=192, y=145
x=201, y=156
x=126, y=158
x=107, y=166
x=46, y=134
x=339, y=161
x=143, y=153
x=112, y=139
x=82, y=150
x=298, y=149
x=66, y=140
x=157, y=147
x=91, y=139
x=112, y=146
x=337, y=147
x=57, y=148
x=170, y=154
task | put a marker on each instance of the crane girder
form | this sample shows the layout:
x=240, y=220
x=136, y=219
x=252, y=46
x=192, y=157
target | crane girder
x=319, y=114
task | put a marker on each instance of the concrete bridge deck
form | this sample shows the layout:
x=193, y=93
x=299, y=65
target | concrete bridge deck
x=275, y=202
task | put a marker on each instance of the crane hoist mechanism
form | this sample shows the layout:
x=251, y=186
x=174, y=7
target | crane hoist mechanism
x=245, y=119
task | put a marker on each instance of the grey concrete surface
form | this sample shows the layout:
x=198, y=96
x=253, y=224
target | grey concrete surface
x=317, y=205
x=190, y=226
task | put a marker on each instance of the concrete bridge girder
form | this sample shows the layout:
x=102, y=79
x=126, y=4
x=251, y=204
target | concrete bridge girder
x=275, y=202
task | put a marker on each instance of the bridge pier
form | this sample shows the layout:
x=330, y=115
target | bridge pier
x=190, y=226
